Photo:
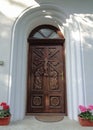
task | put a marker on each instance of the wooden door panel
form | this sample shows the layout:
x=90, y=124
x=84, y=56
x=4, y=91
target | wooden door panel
x=37, y=103
x=46, y=88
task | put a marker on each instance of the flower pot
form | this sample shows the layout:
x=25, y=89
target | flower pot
x=85, y=122
x=5, y=120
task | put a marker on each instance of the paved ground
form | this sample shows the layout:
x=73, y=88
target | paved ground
x=30, y=123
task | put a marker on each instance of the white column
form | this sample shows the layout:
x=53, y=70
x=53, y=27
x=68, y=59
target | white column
x=74, y=67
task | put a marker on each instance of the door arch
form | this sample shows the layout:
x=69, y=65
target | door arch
x=29, y=19
x=46, y=86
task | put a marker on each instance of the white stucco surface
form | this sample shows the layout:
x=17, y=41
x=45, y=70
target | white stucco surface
x=87, y=46
x=77, y=17
x=5, y=44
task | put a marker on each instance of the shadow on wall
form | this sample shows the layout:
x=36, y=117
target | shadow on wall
x=15, y=7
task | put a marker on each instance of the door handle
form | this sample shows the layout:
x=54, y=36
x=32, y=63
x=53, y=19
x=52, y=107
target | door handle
x=62, y=76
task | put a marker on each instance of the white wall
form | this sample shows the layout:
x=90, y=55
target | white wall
x=10, y=10
x=5, y=44
x=87, y=46
x=73, y=6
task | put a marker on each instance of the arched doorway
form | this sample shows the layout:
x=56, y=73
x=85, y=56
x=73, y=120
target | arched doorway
x=46, y=82
x=27, y=21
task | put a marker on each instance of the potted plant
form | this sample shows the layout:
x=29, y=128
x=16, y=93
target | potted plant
x=5, y=114
x=86, y=116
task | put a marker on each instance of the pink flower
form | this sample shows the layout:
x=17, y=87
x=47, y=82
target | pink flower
x=3, y=104
x=90, y=107
x=6, y=107
x=82, y=108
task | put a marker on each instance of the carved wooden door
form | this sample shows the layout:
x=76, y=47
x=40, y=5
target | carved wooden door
x=46, y=79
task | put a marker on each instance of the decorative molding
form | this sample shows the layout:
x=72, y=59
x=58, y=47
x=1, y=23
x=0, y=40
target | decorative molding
x=27, y=21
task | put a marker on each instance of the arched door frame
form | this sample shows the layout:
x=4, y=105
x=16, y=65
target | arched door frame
x=27, y=21
x=46, y=36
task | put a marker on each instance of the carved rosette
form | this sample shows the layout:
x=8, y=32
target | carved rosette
x=54, y=101
x=37, y=101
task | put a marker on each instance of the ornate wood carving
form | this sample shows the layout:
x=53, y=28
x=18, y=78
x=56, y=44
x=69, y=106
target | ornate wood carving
x=46, y=78
x=36, y=100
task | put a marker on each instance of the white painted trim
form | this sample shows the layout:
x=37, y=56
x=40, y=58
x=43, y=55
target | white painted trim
x=44, y=14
